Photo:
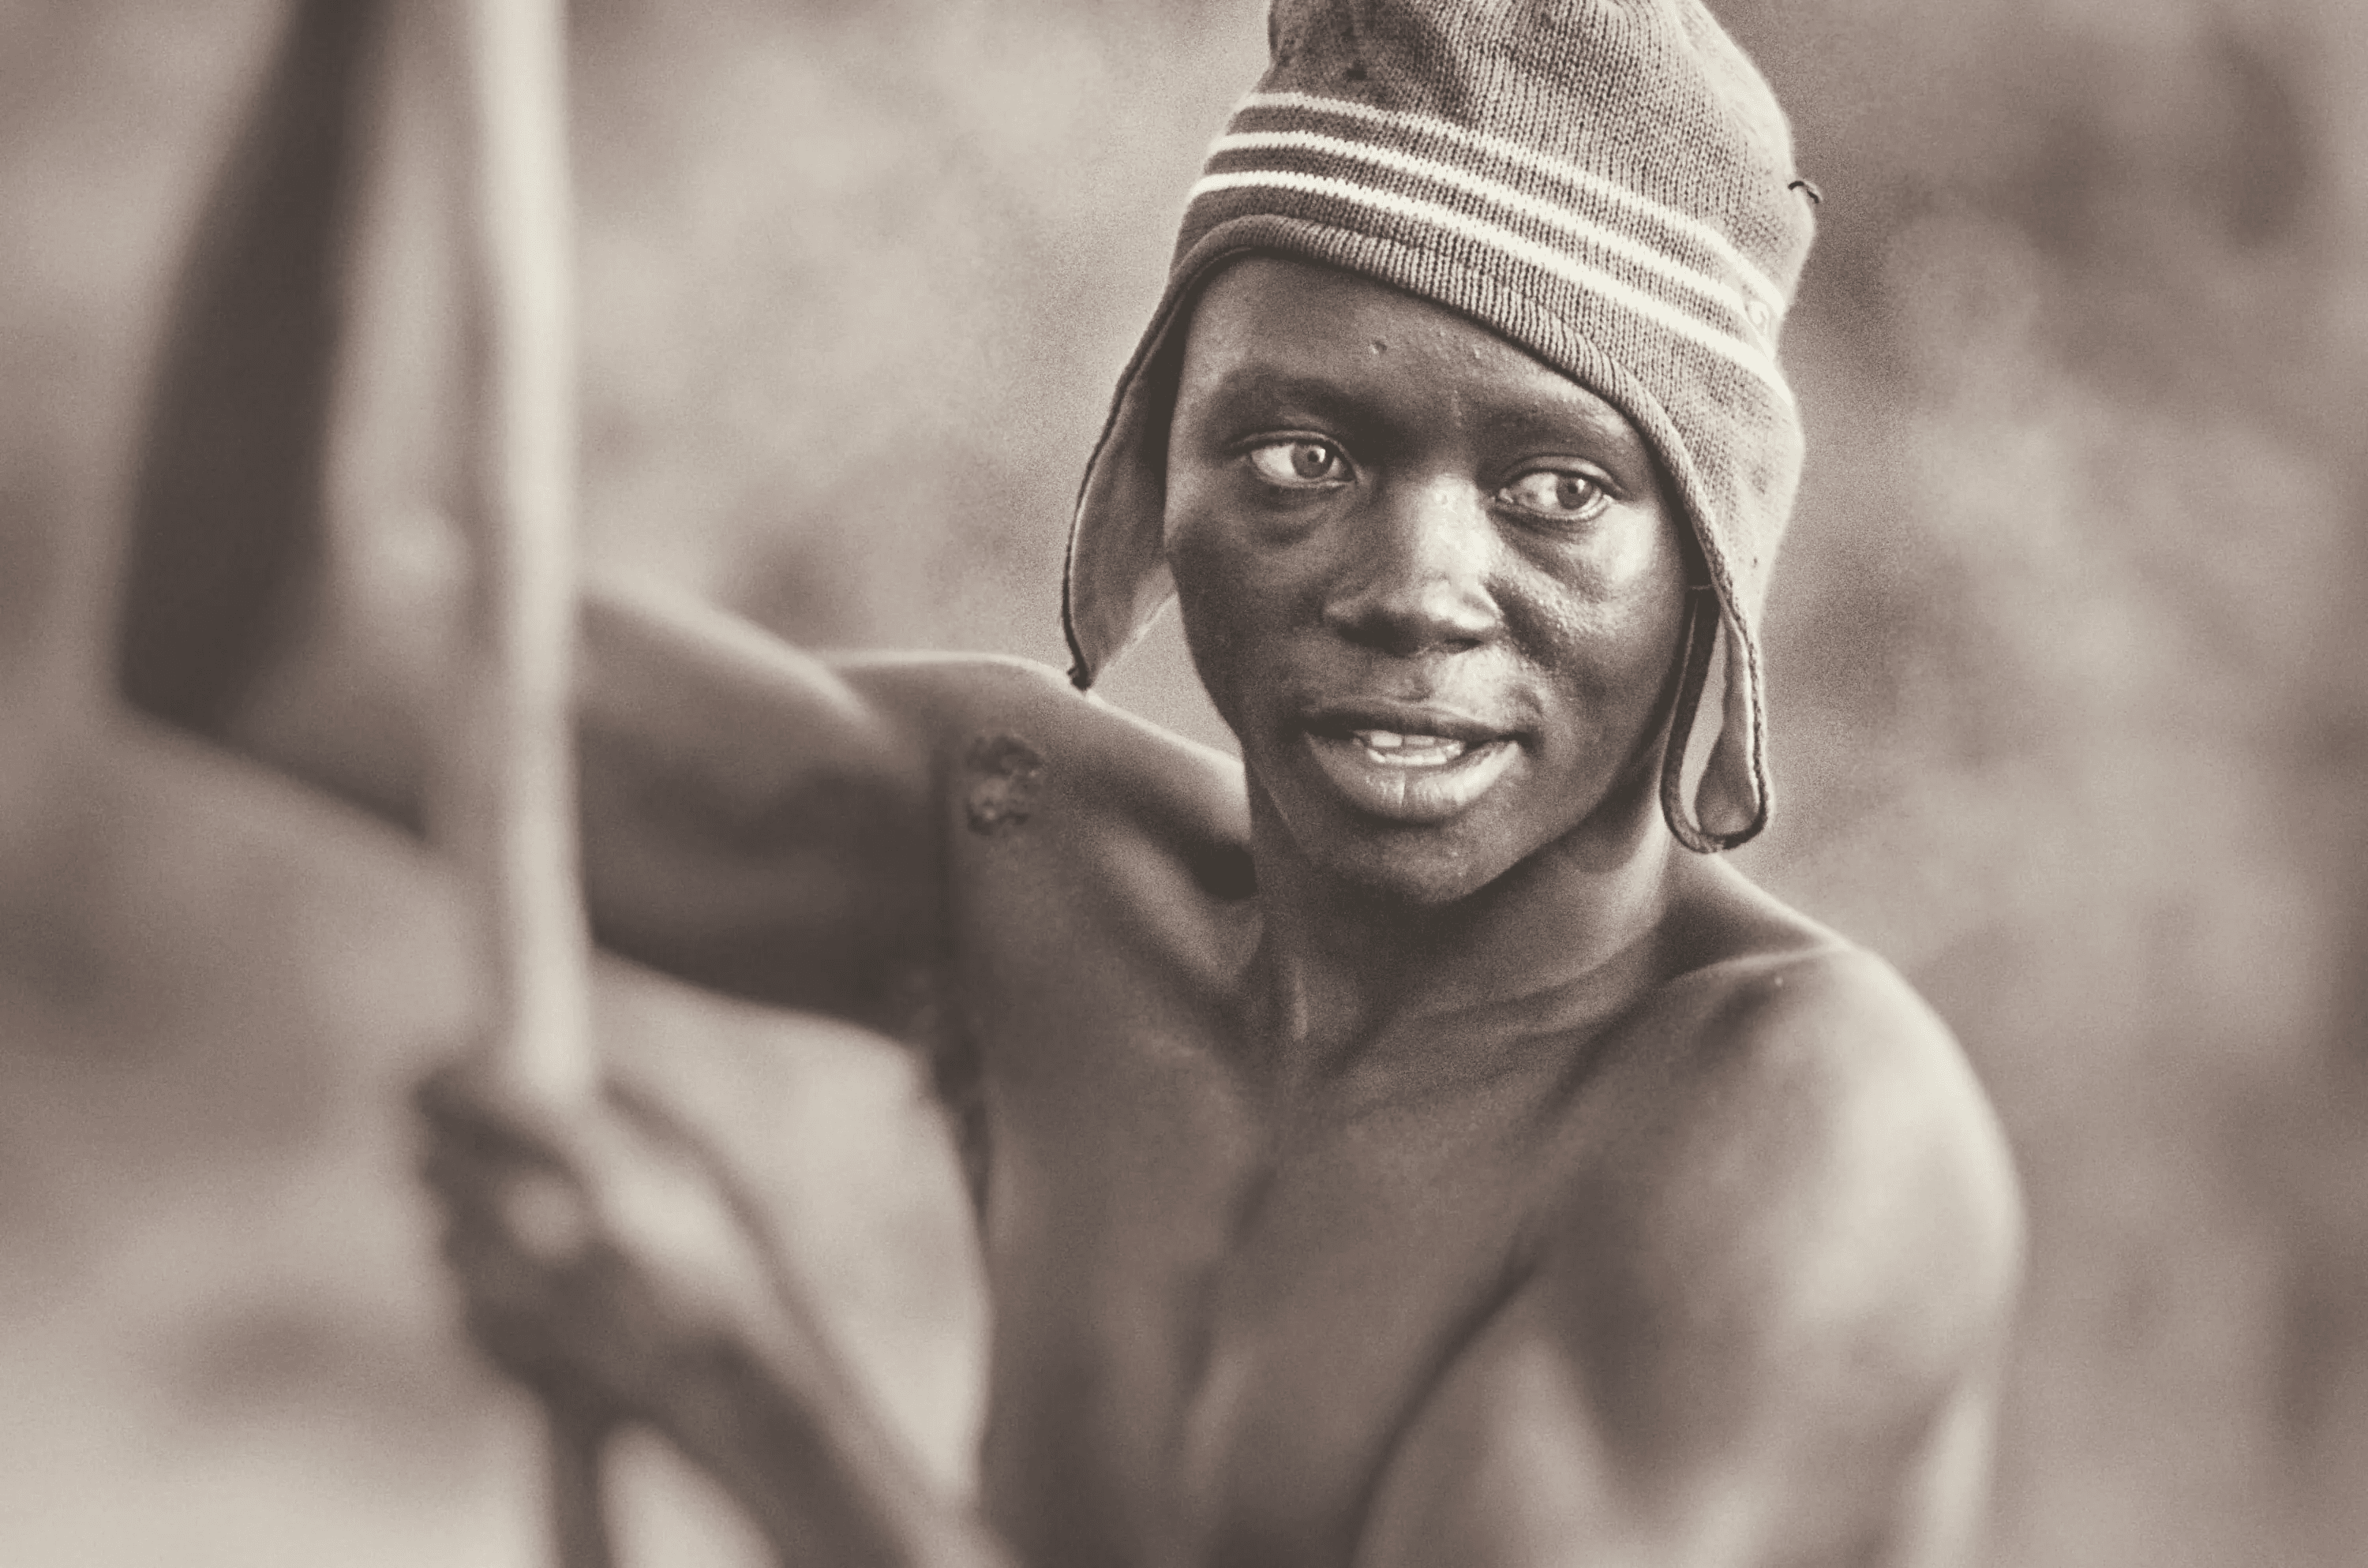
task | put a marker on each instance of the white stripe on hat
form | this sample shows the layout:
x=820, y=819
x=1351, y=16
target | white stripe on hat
x=1660, y=263
x=1520, y=247
x=1694, y=228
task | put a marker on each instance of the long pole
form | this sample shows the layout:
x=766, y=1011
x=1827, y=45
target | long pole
x=506, y=803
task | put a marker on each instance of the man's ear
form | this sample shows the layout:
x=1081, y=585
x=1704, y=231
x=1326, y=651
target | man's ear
x=1713, y=789
x=1117, y=577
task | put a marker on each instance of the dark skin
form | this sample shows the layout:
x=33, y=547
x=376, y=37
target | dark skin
x=1396, y=1151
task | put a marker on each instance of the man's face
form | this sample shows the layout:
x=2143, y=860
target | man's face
x=1436, y=587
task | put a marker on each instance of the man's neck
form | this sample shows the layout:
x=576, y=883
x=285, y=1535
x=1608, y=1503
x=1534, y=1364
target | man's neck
x=1337, y=965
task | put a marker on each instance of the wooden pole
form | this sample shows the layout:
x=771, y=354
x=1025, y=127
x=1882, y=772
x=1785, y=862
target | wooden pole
x=505, y=805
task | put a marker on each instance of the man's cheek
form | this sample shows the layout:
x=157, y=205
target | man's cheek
x=1216, y=643
x=1208, y=574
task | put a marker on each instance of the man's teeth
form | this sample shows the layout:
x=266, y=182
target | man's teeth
x=1409, y=751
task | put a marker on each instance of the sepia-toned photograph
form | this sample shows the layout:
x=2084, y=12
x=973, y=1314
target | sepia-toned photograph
x=1183, y=784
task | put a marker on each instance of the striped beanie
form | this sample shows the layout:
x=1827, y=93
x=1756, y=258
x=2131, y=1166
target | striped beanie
x=1606, y=183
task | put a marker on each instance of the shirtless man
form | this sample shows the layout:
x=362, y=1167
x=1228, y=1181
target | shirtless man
x=1397, y=1147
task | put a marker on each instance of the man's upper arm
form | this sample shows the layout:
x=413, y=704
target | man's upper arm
x=1766, y=1324
x=1821, y=1244
x=759, y=820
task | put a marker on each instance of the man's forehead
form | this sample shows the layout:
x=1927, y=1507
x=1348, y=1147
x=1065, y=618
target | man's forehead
x=1280, y=329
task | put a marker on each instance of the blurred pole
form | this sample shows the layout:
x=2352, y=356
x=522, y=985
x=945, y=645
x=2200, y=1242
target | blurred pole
x=504, y=802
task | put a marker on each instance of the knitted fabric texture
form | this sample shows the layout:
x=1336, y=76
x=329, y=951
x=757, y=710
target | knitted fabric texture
x=1603, y=183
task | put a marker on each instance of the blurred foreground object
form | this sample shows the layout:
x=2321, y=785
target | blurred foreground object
x=503, y=801
x=228, y=522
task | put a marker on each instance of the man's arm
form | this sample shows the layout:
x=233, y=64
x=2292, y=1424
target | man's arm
x=1771, y=1324
x=606, y=1253
x=751, y=823
x=754, y=819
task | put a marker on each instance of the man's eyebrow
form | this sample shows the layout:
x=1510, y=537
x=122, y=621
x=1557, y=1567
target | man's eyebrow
x=1588, y=422
x=1266, y=384
x=1598, y=422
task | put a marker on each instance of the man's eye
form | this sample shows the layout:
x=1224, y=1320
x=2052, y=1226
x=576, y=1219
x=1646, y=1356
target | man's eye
x=1560, y=494
x=1300, y=463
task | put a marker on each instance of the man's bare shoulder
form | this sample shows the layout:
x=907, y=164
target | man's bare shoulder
x=704, y=681
x=1807, y=1216
x=989, y=716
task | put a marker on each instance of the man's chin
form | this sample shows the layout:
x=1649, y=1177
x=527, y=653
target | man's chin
x=1413, y=869
x=1415, y=865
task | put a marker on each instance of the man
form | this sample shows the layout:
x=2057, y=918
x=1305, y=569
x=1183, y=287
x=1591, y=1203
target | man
x=1408, y=1145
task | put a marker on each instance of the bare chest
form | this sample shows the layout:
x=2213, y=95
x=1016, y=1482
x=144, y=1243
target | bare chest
x=1216, y=1310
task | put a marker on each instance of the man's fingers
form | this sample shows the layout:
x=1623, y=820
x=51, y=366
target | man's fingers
x=524, y=1270
x=555, y=1327
x=548, y=1216
x=467, y=1103
x=542, y=1213
x=461, y=1097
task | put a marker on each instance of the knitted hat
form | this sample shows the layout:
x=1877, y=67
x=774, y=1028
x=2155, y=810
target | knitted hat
x=1604, y=183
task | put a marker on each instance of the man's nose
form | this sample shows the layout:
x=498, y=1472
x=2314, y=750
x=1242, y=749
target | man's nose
x=1413, y=574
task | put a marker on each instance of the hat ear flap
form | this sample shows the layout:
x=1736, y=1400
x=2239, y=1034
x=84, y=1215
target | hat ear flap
x=1714, y=786
x=1117, y=578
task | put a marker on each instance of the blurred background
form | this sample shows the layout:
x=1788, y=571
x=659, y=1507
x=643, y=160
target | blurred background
x=2070, y=716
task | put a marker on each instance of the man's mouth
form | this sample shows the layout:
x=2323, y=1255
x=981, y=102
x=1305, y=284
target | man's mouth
x=1408, y=774
x=1392, y=749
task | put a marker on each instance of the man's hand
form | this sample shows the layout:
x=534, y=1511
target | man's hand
x=604, y=1254
x=609, y=1261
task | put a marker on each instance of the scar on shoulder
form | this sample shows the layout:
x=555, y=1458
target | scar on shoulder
x=1005, y=772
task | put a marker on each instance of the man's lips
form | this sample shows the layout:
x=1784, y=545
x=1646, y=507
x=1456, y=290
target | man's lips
x=1413, y=719
x=1409, y=765
x=1393, y=748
